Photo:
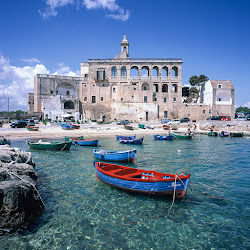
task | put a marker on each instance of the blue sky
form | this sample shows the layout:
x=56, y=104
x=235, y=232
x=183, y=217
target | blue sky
x=54, y=36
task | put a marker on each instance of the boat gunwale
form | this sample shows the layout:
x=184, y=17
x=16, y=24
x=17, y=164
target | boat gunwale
x=138, y=172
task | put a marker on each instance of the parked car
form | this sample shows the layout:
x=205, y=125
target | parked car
x=165, y=120
x=19, y=124
x=174, y=122
x=30, y=122
x=184, y=120
x=35, y=120
x=225, y=118
x=213, y=118
x=242, y=118
x=123, y=122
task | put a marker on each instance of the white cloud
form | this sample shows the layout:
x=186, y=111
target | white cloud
x=118, y=12
x=246, y=105
x=52, y=6
x=31, y=60
x=123, y=16
x=105, y=4
x=17, y=82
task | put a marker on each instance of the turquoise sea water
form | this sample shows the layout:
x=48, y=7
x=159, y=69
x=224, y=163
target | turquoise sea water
x=85, y=213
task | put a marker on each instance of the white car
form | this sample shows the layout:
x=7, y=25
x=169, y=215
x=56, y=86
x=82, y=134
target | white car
x=174, y=122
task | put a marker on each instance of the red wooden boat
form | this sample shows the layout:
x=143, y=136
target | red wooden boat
x=32, y=128
x=75, y=126
x=142, y=181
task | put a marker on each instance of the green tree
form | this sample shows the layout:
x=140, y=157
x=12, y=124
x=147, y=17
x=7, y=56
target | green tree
x=243, y=109
x=197, y=80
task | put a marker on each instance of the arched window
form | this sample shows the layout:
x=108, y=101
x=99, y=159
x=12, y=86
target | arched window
x=155, y=72
x=69, y=105
x=123, y=71
x=134, y=72
x=65, y=88
x=155, y=88
x=174, y=72
x=145, y=86
x=114, y=72
x=174, y=88
x=145, y=72
x=164, y=72
x=164, y=88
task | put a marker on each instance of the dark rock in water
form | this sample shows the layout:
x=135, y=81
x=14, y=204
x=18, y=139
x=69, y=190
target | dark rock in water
x=20, y=203
x=4, y=141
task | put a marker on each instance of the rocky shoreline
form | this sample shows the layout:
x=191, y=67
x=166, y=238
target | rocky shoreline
x=20, y=202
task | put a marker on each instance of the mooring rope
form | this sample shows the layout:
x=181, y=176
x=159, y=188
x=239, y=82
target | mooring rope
x=27, y=182
x=173, y=194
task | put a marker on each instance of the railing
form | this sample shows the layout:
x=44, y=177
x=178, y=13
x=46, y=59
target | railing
x=64, y=77
x=147, y=77
x=135, y=60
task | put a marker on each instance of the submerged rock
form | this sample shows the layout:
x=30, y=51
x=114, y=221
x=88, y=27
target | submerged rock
x=20, y=202
x=4, y=141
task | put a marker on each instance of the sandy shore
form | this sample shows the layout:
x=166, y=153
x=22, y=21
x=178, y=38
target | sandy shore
x=97, y=130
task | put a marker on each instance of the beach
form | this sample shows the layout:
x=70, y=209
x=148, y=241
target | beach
x=55, y=131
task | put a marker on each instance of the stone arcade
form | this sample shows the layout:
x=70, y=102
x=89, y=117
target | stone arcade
x=141, y=89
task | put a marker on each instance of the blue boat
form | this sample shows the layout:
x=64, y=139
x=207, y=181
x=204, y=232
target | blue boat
x=224, y=134
x=118, y=137
x=142, y=181
x=110, y=155
x=66, y=126
x=132, y=141
x=86, y=142
x=164, y=137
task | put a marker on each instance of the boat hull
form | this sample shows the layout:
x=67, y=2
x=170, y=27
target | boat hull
x=32, y=128
x=182, y=137
x=212, y=134
x=118, y=137
x=66, y=126
x=67, y=138
x=128, y=127
x=235, y=134
x=164, y=137
x=87, y=142
x=107, y=155
x=145, y=186
x=133, y=141
x=58, y=146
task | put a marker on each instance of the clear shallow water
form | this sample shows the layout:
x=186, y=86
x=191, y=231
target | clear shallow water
x=89, y=214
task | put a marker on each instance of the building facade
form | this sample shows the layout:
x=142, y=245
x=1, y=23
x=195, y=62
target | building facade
x=138, y=89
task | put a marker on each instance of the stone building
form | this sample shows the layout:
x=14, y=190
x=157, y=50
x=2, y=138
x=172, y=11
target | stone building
x=138, y=89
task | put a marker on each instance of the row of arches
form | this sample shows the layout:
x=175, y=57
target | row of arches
x=164, y=87
x=144, y=71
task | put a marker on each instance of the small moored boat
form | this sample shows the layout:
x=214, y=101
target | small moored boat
x=141, y=126
x=236, y=134
x=87, y=142
x=132, y=141
x=33, y=128
x=59, y=146
x=67, y=138
x=164, y=137
x=166, y=127
x=66, y=126
x=142, y=181
x=110, y=155
x=118, y=137
x=184, y=136
x=75, y=126
x=213, y=133
x=128, y=127
x=224, y=134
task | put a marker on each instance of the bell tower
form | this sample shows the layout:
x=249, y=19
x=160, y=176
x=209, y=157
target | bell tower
x=125, y=46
